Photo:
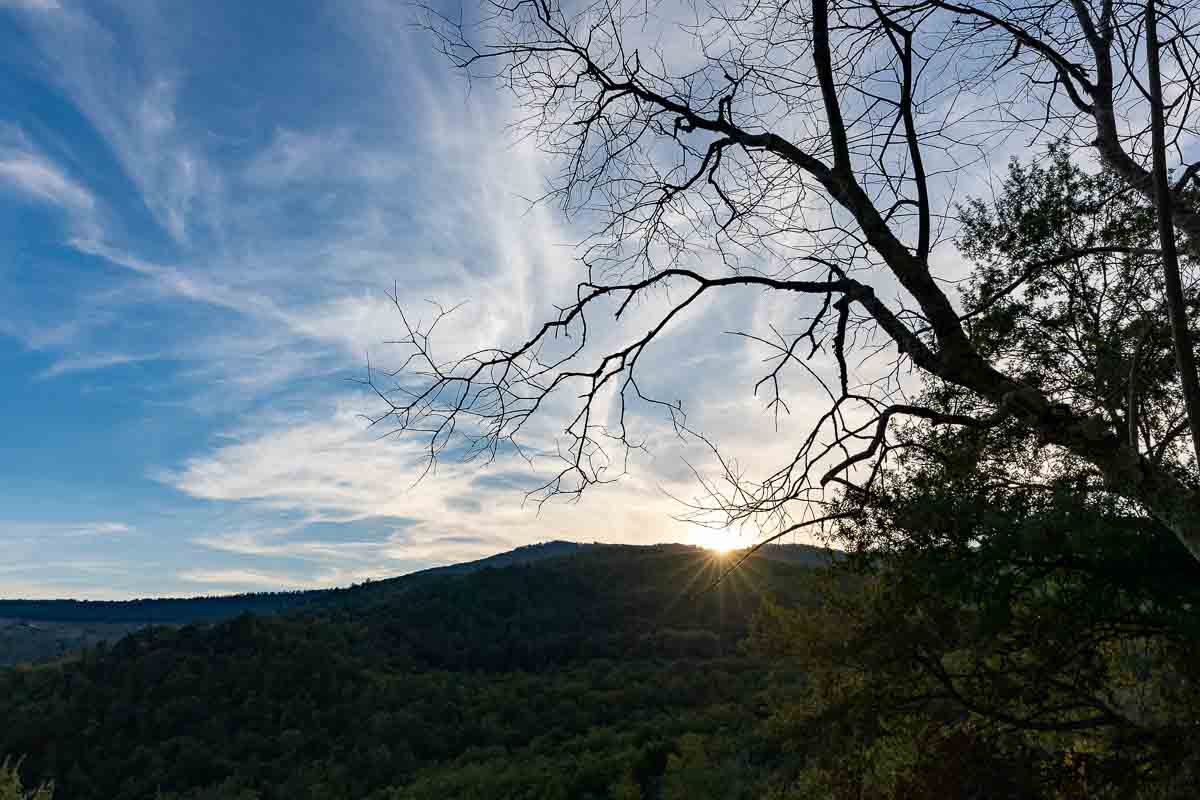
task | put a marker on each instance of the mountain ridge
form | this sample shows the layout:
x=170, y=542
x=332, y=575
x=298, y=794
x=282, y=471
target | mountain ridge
x=38, y=630
x=550, y=678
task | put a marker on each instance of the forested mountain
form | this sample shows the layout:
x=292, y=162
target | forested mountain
x=631, y=672
x=38, y=630
x=607, y=669
x=210, y=607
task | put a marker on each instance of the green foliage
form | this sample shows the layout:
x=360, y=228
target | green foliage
x=690, y=772
x=627, y=788
x=11, y=787
x=231, y=789
x=1079, y=329
x=1008, y=626
x=541, y=681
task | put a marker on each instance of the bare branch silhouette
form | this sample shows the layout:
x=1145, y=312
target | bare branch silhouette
x=815, y=149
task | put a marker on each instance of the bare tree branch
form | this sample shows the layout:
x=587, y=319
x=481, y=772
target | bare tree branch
x=826, y=136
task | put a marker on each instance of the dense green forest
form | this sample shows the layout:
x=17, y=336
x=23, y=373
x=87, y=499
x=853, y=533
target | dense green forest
x=563, y=678
x=624, y=672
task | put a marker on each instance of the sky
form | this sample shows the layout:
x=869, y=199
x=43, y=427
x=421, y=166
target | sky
x=202, y=214
x=204, y=209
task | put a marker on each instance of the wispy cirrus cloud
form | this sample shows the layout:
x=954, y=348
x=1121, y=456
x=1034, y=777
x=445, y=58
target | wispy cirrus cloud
x=101, y=529
x=331, y=469
x=329, y=156
x=245, y=245
x=133, y=108
x=35, y=176
x=31, y=5
x=28, y=171
x=242, y=579
x=35, y=530
x=89, y=363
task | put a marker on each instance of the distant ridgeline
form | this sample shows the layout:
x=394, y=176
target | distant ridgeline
x=565, y=671
x=156, y=611
x=34, y=631
x=177, y=610
x=212, y=608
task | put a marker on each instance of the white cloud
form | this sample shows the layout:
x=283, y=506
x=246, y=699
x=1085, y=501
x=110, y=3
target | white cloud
x=88, y=363
x=70, y=589
x=31, y=5
x=38, y=532
x=102, y=529
x=173, y=281
x=265, y=543
x=331, y=468
x=325, y=156
x=130, y=97
x=28, y=171
x=41, y=179
x=451, y=228
x=230, y=580
x=307, y=234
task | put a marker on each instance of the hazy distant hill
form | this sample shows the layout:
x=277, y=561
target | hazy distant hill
x=549, y=677
x=208, y=608
x=806, y=554
x=39, y=630
x=24, y=641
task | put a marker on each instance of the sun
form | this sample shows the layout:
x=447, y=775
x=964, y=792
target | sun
x=720, y=540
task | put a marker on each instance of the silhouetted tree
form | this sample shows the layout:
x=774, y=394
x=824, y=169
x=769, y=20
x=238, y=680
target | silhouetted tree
x=812, y=150
x=1013, y=623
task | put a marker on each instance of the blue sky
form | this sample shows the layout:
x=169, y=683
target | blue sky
x=202, y=212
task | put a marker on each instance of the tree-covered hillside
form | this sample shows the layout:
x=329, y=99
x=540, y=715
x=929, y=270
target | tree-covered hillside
x=613, y=671
x=982, y=667
x=208, y=608
x=41, y=630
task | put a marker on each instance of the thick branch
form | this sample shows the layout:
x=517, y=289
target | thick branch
x=1185, y=359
